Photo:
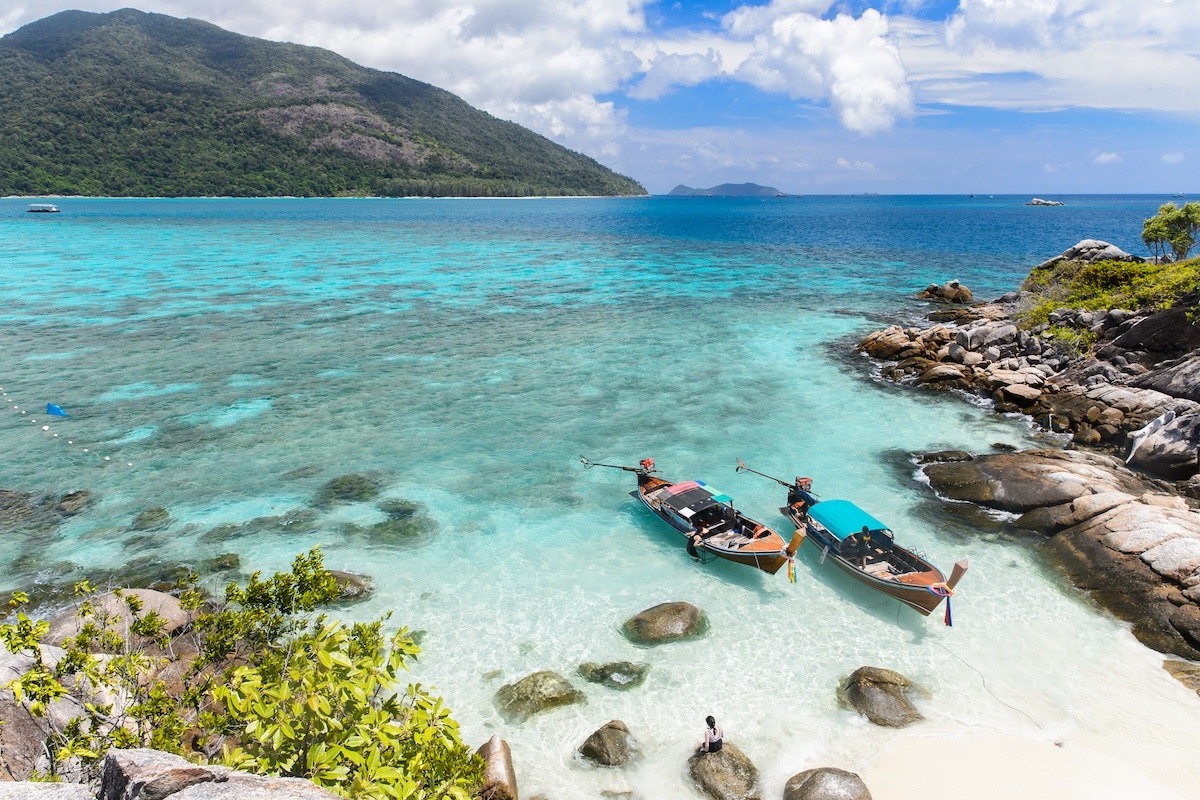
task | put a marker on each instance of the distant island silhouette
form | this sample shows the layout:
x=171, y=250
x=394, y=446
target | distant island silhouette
x=727, y=190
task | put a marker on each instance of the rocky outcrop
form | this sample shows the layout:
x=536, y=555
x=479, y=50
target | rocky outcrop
x=826, y=783
x=615, y=675
x=610, y=746
x=1089, y=250
x=535, y=693
x=950, y=292
x=1037, y=201
x=880, y=695
x=1102, y=400
x=1125, y=538
x=666, y=622
x=499, y=777
x=727, y=774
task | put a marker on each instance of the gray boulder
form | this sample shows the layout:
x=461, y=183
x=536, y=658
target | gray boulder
x=826, y=783
x=499, y=777
x=140, y=774
x=1171, y=451
x=666, y=622
x=727, y=774
x=143, y=774
x=615, y=674
x=1020, y=482
x=534, y=693
x=880, y=695
x=610, y=746
x=22, y=736
x=116, y=609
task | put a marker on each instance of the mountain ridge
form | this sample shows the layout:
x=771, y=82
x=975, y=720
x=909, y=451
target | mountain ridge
x=128, y=103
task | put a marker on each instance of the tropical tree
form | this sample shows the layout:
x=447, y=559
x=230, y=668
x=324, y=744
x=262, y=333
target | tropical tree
x=1174, y=229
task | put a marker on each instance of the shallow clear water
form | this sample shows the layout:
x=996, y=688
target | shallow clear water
x=241, y=353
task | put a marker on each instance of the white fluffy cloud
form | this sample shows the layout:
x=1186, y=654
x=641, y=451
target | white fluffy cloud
x=1107, y=158
x=1054, y=54
x=851, y=61
x=668, y=70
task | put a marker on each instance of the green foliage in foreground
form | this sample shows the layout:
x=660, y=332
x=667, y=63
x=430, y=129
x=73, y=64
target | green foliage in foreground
x=273, y=690
x=1105, y=285
x=1172, y=229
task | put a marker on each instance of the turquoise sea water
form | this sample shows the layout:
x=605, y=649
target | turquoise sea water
x=241, y=353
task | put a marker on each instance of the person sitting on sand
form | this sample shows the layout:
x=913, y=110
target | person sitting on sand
x=713, y=736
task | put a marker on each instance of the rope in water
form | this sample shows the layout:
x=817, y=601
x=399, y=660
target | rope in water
x=46, y=429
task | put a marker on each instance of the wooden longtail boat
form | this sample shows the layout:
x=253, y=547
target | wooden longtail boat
x=865, y=548
x=708, y=521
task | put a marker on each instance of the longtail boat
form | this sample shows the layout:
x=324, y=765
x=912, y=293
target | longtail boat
x=865, y=548
x=708, y=521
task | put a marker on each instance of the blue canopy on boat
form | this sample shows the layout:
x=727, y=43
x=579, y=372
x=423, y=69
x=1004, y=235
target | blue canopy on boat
x=842, y=518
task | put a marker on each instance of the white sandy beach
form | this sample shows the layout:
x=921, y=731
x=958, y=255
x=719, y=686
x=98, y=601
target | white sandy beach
x=999, y=767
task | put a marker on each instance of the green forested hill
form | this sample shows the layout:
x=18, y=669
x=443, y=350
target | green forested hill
x=129, y=103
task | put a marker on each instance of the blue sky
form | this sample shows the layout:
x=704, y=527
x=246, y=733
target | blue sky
x=809, y=96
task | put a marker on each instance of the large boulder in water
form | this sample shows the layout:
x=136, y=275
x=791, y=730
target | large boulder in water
x=727, y=774
x=1020, y=482
x=666, y=622
x=825, y=783
x=881, y=696
x=540, y=691
x=610, y=746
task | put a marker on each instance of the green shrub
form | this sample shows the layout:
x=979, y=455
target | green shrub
x=273, y=689
x=1105, y=285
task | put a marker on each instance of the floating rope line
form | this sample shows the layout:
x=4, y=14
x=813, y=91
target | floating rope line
x=46, y=429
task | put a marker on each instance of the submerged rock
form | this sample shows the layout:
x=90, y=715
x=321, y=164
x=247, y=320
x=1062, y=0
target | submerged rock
x=300, y=520
x=535, y=693
x=826, y=783
x=352, y=488
x=74, y=503
x=609, y=746
x=727, y=774
x=666, y=622
x=400, y=509
x=354, y=587
x=615, y=674
x=151, y=519
x=880, y=695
